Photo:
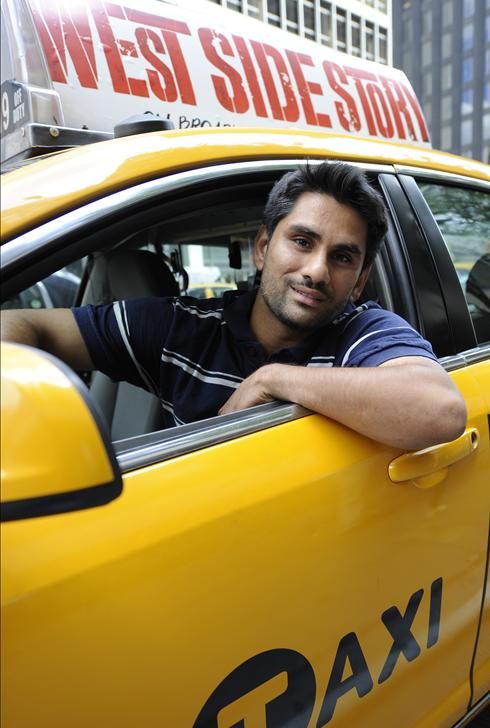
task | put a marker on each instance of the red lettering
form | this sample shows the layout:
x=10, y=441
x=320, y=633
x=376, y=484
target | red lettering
x=127, y=48
x=115, y=11
x=119, y=80
x=381, y=111
x=137, y=85
x=179, y=65
x=290, y=111
x=399, y=108
x=67, y=33
x=251, y=76
x=358, y=75
x=417, y=111
x=170, y=30
x=306, y=87
x=237, y=102
x=168, y=90
x=347, y=111
x=157, y=21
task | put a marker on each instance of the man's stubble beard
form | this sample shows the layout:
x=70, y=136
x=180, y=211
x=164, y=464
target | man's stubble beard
x=275, y=301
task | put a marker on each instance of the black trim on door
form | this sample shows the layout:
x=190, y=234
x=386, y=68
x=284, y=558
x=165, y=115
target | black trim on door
x=422, y=277
x=459, y=319
x=394, y=259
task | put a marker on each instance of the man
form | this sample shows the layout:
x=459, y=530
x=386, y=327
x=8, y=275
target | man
x=300, y=337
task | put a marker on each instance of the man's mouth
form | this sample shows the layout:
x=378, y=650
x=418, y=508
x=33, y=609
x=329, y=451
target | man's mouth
x=308, y=295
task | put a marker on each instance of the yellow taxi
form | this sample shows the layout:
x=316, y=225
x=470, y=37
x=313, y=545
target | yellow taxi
x=265, y=568
x=209, y=290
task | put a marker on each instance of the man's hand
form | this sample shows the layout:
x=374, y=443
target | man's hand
x=251, y=391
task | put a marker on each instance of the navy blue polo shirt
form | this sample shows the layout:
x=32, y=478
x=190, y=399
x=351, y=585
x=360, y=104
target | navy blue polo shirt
x=193, y=353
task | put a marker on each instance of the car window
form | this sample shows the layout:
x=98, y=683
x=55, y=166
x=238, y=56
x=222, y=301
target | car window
x=58, y=290
x=212, y=269
x=463, y=217
x=199, y=248
x=199, y=242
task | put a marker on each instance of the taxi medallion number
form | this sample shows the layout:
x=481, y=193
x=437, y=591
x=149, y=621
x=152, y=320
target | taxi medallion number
x=15, y=109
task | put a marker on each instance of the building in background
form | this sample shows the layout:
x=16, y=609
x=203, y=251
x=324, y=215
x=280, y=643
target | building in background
x=444, y=48
x=359, y=27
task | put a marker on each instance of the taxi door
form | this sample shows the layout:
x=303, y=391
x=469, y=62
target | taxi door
x=276, y=578
x=454, y=213
x=268, y=568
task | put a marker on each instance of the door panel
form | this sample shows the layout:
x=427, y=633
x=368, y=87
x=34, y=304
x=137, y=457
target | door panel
x=456, y=218
x=290, y=546
x=481, y=668
x=481, y=664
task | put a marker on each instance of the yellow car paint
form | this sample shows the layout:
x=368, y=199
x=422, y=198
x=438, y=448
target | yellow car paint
x=49, y=423
x=35, y=193
x=292, y=538
x=197, y=568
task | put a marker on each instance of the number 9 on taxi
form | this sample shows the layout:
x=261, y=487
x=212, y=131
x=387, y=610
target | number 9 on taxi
x=5, y=110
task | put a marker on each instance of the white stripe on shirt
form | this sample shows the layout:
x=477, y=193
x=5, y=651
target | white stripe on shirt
x=169, y=407
x=205, y=375
x=321, y=361
x=121, y=320
x=195, y=311
x=363, y=338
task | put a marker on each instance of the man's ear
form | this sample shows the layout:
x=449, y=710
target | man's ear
x=361, y=282
x=260, y=247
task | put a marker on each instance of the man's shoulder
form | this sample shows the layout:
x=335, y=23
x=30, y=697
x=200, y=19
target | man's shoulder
x=369, y=313
x=370, y=335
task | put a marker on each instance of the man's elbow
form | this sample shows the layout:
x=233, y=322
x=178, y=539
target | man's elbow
x=452, y=417
x=443, y=420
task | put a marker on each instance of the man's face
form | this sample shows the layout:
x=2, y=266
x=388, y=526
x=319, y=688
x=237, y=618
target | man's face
x=312, y=265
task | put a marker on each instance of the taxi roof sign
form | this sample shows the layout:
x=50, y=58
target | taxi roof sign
x=199, y=65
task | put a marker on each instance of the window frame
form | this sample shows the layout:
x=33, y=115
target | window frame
x=460, y=325
x=32, y=255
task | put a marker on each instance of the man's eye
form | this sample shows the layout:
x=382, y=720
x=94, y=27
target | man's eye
x=343, y=257
x=302, y=242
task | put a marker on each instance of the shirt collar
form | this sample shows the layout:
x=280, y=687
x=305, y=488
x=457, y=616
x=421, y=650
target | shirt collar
x=237, y=309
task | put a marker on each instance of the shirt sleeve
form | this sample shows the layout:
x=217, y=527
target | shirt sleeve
x=125, y=339
x=374, y=336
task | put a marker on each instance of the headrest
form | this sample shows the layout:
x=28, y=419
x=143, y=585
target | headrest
x=139, y=273
x=129, y=274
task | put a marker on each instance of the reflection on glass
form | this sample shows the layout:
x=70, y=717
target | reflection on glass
x=467, y=70
x=468, y=8
x=467, y=101
x=447, y=12
x=463, y=217
x=468, y=37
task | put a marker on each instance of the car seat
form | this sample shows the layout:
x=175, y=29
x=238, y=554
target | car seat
x=127, y=274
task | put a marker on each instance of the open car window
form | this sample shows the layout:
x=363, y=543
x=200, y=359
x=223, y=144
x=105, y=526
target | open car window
x=195, y=241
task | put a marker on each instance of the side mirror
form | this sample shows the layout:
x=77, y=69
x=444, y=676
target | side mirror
x=56, y=452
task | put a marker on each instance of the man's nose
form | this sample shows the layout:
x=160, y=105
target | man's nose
x=316, y=268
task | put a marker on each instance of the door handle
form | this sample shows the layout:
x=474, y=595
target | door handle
x=426, y=468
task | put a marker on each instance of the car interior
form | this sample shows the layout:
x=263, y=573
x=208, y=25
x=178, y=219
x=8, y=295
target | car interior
x=157, y=261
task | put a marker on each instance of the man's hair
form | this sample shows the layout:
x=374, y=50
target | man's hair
x=345, y=183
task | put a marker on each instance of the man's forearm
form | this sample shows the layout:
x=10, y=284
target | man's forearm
x=411, y=406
